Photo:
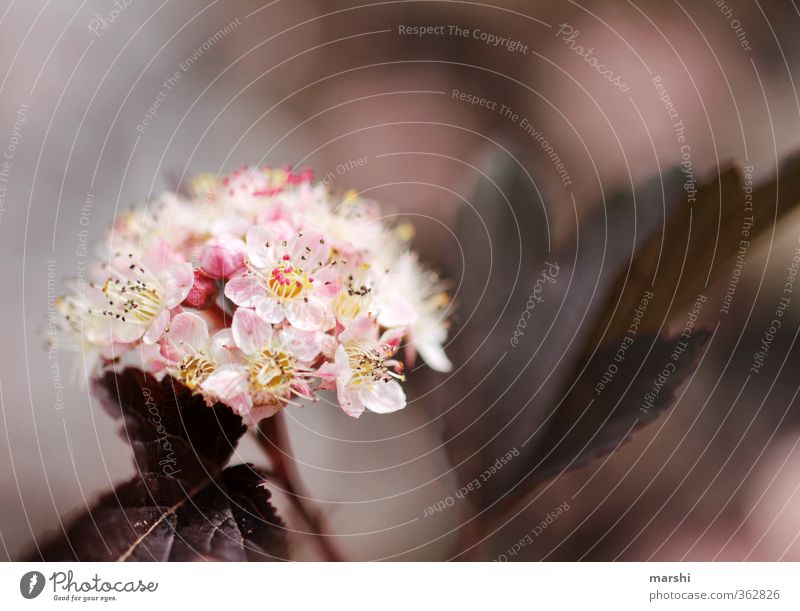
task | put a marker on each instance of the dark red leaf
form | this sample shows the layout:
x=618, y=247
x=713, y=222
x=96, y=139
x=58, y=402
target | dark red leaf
x=154, y=518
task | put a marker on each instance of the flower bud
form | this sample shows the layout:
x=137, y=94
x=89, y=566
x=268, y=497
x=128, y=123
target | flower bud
x=223, y=256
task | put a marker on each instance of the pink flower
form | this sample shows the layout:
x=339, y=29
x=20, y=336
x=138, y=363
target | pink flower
x=364, y=374
x=291, y=277
x=222, y=257
x=267, y=369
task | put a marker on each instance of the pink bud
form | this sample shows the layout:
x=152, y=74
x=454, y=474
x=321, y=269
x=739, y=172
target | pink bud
x=203, y=291
x=222, y=257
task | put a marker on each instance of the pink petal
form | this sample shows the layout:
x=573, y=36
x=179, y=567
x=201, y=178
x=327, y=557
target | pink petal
x=393, y=337
x=315, y=248
x=259, y=412
x=363, y=328
x=250, y=331
x=342, y=367
x=244, y=290
x=306, y=345
x=157, y=328
x=326, y=283
x=178, y=281
x=302, y=387
x=223, y=349
x=350, y=402
x=187, y=334
x=306, y=315
x=396, y=312
x=229, y=384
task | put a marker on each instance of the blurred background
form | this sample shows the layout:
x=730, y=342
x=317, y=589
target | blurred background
x=105, y=104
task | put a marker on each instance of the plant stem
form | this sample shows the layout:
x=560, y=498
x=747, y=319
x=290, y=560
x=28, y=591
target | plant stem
x=272, y=436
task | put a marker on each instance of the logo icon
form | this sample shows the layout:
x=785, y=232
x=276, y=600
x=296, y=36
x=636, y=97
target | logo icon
x=31, y=584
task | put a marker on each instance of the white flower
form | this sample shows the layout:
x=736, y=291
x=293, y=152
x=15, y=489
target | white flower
x=364, y=374
x=411, y=297
x=137, y=298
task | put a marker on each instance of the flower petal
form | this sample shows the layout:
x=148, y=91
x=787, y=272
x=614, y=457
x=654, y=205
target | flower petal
x=383, y=397
x=269, y=309
x=349, y=401
x=306, y=315
x=306, y=345
x=433, y=354
x=258, y=253
x=178, y=281
x=187, y=334
x=156, y=328
x=250, y=331
x=229, y=385
x=244, y=290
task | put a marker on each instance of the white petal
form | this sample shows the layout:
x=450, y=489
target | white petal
x=433, y=354
x=156, y=328
x=269, y=309
x=258, y=252
x=383, y=397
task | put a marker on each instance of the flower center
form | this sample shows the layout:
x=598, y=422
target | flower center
x=193, y=370
x=287, y=281
x=370, y=366
x=354, y=299
x=272, y=371
x=133, y=295
x=134, y=299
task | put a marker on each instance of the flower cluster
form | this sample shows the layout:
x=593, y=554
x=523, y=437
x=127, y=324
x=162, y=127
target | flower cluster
x=260, y=288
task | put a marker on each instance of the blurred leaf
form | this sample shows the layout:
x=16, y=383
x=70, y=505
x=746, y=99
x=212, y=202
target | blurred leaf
x=698, y=245
x=171, y=430
x=153, y=518
x=504, y=396
x=594, y=420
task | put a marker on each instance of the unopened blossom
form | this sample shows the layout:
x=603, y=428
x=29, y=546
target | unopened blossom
x=222, y=257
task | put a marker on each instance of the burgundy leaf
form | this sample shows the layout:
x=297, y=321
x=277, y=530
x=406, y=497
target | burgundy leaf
x=154, y=518
x=172, y=431
x=513, y=375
